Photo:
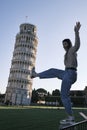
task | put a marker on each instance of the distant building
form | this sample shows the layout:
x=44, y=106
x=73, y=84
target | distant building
x=76, y=93
x=2, y=97
x=19, y=88
x=85, y=90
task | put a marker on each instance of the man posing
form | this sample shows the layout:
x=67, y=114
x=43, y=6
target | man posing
x=68, y=76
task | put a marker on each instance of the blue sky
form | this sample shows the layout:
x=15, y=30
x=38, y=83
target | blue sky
x=55, y=20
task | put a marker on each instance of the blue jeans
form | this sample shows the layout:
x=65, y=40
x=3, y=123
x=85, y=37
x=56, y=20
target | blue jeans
x=68, y=77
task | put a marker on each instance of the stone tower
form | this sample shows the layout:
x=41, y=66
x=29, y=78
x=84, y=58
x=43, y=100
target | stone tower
x=19, y=88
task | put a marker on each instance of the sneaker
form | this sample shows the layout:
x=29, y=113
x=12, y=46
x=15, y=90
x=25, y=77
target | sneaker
x=68, y=121
x=33, y=73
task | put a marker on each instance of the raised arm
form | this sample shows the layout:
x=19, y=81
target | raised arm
x=77, y=38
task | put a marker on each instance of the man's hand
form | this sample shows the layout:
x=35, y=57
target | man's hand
x=77, y=27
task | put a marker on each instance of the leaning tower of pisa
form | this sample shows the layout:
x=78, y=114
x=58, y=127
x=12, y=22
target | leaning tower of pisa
x=19, y=87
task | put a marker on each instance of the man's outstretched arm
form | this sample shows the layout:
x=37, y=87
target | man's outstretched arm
x=77, y=38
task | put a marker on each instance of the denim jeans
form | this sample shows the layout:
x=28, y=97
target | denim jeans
x=68, y=77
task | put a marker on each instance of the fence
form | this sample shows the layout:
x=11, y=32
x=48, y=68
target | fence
x=77, y=126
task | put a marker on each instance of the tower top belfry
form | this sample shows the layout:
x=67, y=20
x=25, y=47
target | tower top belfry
x=26, y=27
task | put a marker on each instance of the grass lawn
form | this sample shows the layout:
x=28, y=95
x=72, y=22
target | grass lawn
x=32, y=118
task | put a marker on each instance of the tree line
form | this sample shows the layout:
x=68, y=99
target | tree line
x=78, y=98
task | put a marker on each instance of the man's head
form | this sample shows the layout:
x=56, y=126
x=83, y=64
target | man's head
x=66, y=44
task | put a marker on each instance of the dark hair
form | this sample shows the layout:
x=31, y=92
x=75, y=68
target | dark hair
x=68, y=41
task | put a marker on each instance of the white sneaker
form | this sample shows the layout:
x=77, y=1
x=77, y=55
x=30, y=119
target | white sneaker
x=68, y=121
x=33, y=73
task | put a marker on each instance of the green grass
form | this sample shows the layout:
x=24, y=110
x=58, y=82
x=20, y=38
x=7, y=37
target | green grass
x=32, y=118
